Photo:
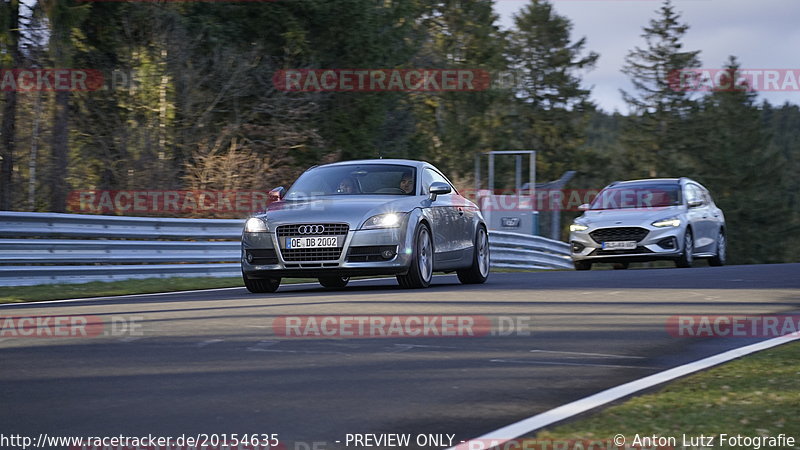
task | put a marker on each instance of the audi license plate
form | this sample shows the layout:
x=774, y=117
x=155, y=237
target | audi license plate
x=619, y=245
x=312, y=242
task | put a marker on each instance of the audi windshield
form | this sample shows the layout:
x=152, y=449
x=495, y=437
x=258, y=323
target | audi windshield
x=368, y=179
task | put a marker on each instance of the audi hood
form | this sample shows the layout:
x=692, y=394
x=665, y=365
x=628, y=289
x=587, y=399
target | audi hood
x=351, y=209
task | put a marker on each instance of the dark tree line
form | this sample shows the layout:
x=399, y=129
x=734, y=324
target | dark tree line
x=189, y=103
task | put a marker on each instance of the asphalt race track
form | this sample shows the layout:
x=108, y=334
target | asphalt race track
x=209, y=362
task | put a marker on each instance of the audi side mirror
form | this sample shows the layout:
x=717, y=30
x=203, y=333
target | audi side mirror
x=277, y=194
x=583, y=207
x=438, y=188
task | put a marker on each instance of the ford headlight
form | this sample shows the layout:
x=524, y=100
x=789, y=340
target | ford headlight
x=670, y=222
x=390, y=220
x=578, y=227
x=255, y=225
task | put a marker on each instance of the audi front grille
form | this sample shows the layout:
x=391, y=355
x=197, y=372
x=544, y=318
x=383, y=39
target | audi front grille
x=308, y=230
x=311, y=254
x=330, y=229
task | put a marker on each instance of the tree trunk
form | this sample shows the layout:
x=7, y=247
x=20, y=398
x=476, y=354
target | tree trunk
x=58, y=175
x=34, y=158
x=62, y=19
x=8, y=129
x=8, y=150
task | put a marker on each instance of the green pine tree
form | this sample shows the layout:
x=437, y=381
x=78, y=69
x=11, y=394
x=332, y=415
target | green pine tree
x=655, y=137
x=550, y=109
x=744, y=174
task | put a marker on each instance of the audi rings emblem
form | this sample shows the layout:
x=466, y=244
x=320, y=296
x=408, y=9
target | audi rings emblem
x=311, y=229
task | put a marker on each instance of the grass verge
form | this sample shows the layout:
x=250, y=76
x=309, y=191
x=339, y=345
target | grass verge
x=18, y=294
x=756, y=396
x=22, y=294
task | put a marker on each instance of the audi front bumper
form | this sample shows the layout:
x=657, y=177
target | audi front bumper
x=364, y=252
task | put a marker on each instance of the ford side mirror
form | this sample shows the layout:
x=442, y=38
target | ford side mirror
x=583, y=207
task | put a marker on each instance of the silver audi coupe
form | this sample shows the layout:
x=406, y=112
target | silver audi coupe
x=368, y=217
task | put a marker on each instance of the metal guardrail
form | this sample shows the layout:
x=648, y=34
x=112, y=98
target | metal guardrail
x=89, y=226
x=73, y=251
x=35, y=275
x=46, y=248
x=522, y=251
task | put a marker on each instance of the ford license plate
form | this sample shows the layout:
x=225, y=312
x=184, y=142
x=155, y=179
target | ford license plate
x=619, y=245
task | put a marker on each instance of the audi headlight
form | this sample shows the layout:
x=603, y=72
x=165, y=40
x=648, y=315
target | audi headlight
x=391, y=220
x=255, y=225
x=669, y=222
x=578, y=227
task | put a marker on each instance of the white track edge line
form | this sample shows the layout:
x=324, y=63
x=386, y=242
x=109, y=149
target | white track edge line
x=563, y=412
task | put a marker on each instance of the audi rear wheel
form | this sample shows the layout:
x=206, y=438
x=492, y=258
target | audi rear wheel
x=479, y=271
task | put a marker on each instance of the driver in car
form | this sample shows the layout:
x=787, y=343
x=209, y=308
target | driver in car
x=346, y=186
x=407, y=183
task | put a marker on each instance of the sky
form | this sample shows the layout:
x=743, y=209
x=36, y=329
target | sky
x=762, y=34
